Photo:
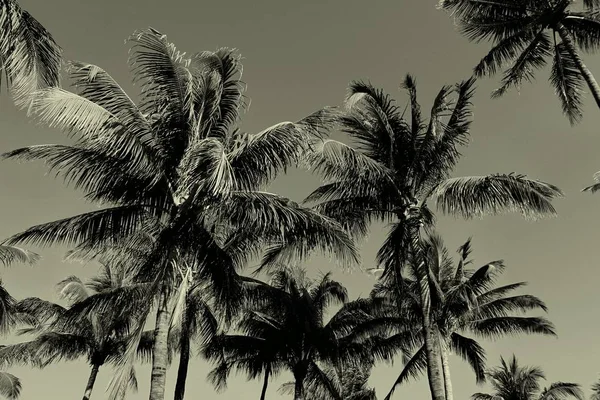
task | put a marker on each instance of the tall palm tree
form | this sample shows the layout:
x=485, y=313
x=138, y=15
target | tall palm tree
x=176, y=162
x=463, y=302
x=511, y=381
x=528, y=33
x=100, y=339
x=398, y=167
x=30, y=59
x=284, y=328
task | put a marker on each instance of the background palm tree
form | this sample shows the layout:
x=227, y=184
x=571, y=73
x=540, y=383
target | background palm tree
x=10, y=385
x=58, y=336
x=463, y=302
x=284, y=327
x=511, y=381
x=346, y=382
x=528, y=33
x=397, y=167
x=176, y=164
x=30, y=59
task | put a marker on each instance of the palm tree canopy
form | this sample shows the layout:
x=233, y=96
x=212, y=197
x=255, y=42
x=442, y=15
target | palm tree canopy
x=528, y=34
x=394, y=166
x=284, y=327
x=514, y=382
x=463, y=302
x=177, y=164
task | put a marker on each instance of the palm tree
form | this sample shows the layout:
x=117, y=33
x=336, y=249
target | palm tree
x=10, y=385
x=528, y=33
x=398, y=167
x=284, y=328
x=100, y=339
x=463, y=302
x=346, y=382
x=30, y=59
x=511, y=381
x=177, y=163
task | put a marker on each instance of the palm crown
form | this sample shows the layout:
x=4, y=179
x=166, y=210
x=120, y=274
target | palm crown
x=463, y=302
x=285, y=328
x=528, y=34
x=512, y=381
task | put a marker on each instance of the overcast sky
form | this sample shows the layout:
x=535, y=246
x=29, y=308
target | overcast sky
x=300, y=56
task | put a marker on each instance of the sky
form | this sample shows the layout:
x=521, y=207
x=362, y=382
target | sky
x=298, y=57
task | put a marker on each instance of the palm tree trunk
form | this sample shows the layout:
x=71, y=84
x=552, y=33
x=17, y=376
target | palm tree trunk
x=432, y=349
x=446, y=369
x=159, y=347
x=90, y=384
x=299, y=375
x=184, y=355
x=585, y=72
x=263, y=393
x=434, y=359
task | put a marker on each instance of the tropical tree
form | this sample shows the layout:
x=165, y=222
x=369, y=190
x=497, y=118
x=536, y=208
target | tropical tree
x=511, y=381
x=10, y=385
x=398, y=167
x=529, y=33
x=463, y=301
x=100, y=339
x=30, y=59
x=346, y=382
x=176, y=164
x=284, y=328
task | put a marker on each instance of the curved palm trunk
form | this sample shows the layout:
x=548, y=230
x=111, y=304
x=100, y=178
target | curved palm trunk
x=263, y=393
x=159, y=347
x=91, y=381
x=184, y=355
x=446, y=369
x=585, y=72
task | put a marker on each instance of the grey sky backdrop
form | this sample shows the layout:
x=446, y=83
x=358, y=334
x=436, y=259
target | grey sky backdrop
x=300, y=56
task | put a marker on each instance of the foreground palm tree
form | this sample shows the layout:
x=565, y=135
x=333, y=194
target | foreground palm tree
x=177, y=166
x=284, y=328
x=30, y=59
x=100, y=339
x=398, y=167
x=464, y=302
x=528, y=33
x=511, y=381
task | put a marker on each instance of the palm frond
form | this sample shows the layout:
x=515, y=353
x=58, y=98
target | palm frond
x=568, y=83
x=493, y=194
x=562, y=390
x=10, y=386
x=412, y=369
x=102, y=225
x=12, y=254
x=30, y=57
x=495, y=327
x=470, y=351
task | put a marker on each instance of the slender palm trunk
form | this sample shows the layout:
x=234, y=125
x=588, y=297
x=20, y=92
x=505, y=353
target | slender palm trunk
x=159, y=347
x=432, y=349
x=446, y=369
x=263, y=393
x=585, y=72
x=90, y=384
x=184, y=355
